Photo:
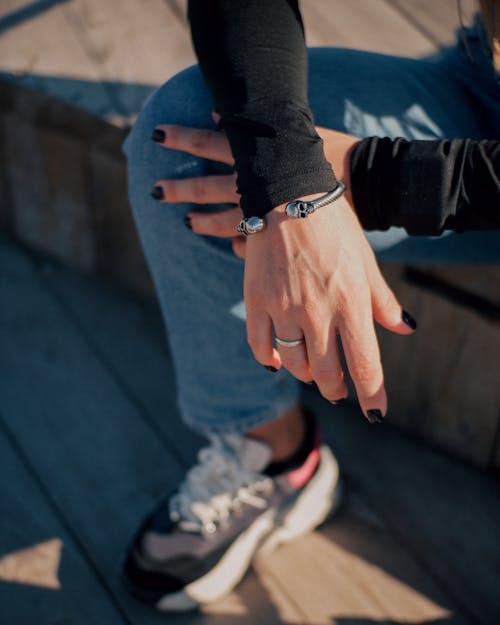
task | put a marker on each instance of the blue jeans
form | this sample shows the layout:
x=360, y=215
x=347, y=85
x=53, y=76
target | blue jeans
x=199, y=281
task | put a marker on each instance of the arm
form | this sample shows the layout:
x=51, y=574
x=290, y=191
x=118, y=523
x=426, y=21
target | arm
x=253, y=56
x=315, y=278
x=427, y=186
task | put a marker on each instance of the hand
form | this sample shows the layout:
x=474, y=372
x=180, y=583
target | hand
x=214, y=146
x=316, y=277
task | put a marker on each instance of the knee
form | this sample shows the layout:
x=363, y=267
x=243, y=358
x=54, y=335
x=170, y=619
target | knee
x=184, y=100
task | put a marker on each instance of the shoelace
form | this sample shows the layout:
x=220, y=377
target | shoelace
x=214, y=488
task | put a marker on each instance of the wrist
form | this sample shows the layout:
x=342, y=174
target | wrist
x=297, y=209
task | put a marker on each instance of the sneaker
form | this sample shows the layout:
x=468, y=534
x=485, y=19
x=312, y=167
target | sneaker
x=235, y=502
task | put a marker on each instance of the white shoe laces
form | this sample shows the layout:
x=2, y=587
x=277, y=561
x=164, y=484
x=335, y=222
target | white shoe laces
x=216, y=487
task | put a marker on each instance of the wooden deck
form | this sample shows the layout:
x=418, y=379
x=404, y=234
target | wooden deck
x=90, y=438
x=105, y=56
x=89, y=433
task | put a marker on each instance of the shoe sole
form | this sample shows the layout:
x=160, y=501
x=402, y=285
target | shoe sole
x=311, y=508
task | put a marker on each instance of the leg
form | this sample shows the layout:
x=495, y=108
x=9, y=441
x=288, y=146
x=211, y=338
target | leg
x=199, y=542
x=193, y=542
x=199, y=281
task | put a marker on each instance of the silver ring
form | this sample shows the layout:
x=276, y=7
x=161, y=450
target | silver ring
x=294, y=343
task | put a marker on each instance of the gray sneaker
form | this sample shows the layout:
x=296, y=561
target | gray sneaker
x=199, y=542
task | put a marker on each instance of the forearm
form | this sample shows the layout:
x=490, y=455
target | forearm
x=426, y=187
x=253, y=56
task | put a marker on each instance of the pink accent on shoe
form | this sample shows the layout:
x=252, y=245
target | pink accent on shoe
x=299, y=477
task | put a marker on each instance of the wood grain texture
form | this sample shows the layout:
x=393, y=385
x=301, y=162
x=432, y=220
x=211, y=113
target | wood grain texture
x=435, y=20
x=373, y=25
x=442, y=511
x=117, y=248
x=134, y=347
x=44, y=46
x=480, y=280
x=443, y=380
x=51, y=211
x=134, y=45
x=47, y=595
x=496, y=457
x=103, y=464
x=352, y=572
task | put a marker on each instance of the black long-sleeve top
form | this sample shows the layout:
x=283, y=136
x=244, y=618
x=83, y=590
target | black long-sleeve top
x=253, y=56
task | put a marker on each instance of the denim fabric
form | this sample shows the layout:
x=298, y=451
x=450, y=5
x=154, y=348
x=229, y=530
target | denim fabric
x=199, y=281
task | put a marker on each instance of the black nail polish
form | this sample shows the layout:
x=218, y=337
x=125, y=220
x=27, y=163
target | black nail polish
x=158, y=135
x=374, y=415
x=409, y=320
x=270, y=368
x=187, y=221
x=157, y=193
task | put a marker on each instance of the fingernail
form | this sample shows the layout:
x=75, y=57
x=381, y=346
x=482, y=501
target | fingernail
x=311, y=383
x=270, y=368
x=158, y=135
x=409, y=320
x=187, y=221
x=374, y=415
x=157, y=193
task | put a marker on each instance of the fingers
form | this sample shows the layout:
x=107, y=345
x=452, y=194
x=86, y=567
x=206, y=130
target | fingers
x=217, y=224
x=200, y=190
x=210, y=144
x=386, y=308
x=363, y=358
x=260, y=338
x=316, y=359
x=293, y=358
x=324, y=358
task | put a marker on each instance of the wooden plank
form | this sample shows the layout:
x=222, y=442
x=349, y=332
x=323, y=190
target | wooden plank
x=41, y=49
x=51, y=212
x=364, y=25
x=445, y=376
x=354, y=569
x=118, y=250
x=88, y=53
x=132, y=46
x=51, y=587
x=442, y=511
x=134, y=347
x=435, y=20
x=480, y=280
x=496, y=457
x=88, y=443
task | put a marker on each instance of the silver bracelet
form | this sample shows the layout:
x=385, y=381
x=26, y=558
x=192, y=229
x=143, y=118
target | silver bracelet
x=296, y=210
x=303, y=208
x=251, y=225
